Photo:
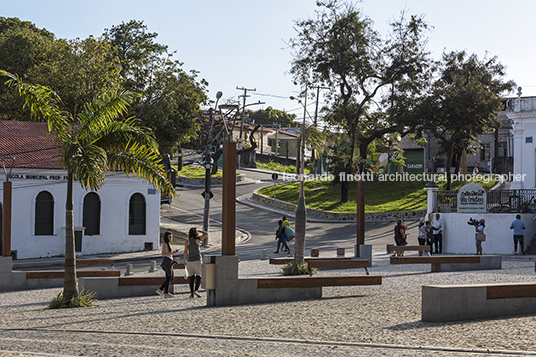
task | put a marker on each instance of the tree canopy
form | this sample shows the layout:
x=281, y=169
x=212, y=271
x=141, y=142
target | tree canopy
x=462, y=101
x=372, y=78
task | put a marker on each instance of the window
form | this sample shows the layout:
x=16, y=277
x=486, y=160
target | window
x=484, y=152
x=136, y=215
x=91, y=219
x=44, y=214
x=502, y=148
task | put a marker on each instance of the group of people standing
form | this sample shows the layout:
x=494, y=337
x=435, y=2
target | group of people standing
x=429, y=234
x=192, y=261
x=432, y=234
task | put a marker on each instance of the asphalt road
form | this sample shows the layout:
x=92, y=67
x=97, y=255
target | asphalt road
x=262, y=224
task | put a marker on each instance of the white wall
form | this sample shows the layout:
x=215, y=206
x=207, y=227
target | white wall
x=459, y=237
x=114, y=196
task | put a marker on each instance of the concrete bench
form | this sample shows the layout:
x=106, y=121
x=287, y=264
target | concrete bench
x=329, y=263
x=84, y=262
x=453, y=262
x=408, y=248
x=59, y=274
x=127, y=286
x=468, y=302
x=304, y=281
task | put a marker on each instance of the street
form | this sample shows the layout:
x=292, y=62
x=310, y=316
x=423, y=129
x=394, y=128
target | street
x=261, y=224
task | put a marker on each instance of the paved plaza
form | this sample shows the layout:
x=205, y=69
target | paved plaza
x=348, y=321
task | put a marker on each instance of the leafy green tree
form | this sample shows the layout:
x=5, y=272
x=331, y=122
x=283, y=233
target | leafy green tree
x=96, y=143
x=270, y=116
x=22, y=47
x=341, y=50
x=170, y=98
x=463, y=101
x=78, y=71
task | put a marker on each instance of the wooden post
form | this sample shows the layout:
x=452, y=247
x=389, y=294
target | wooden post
x=229, y=199
x=6, y=224
x=360, y=215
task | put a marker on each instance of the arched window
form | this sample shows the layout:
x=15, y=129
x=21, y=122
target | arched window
x=136, y=215
x=91, y=218
x=44, y=214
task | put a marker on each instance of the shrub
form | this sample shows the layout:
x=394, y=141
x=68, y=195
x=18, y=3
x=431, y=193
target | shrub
x=295, y=268
x=84, y=299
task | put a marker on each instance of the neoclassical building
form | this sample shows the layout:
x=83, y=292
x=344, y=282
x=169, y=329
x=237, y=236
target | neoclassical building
x=123, y=216
x=522, y=112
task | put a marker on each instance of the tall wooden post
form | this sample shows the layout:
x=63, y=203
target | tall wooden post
x=360, y=215
x=6, y=224
x=229, y=199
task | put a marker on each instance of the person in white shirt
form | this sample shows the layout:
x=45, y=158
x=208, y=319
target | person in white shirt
x=437, y=229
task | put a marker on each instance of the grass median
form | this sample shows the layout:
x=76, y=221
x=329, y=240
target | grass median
x=380, y=196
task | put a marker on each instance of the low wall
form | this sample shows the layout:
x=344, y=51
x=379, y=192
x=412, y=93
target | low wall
x=459, y=237
x=337, y=216
x=487, y=262
x=201, y=181
x=109, y=288
x=467, y=302
x=16, y=280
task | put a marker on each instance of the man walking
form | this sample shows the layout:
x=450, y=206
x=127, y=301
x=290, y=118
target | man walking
x=437, y=229
x=518, y=226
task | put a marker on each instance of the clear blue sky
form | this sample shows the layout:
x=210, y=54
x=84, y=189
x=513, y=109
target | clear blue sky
x=242, y=42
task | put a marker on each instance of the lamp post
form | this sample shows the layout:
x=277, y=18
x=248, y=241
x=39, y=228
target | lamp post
x=208, y=162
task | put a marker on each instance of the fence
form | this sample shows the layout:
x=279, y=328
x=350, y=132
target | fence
x=497, y=201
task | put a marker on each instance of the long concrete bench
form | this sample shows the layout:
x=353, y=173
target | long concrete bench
x=444, y=263
x=59, y=274
x=468, y=302
x=327, y=263
x=390, y=248
x=126, y=286
x=304, y=281
x=111, y=262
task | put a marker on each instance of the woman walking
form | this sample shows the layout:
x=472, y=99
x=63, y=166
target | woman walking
x=167, y=264
x=192, y=259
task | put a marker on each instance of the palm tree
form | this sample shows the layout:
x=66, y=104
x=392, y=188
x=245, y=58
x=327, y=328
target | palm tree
x=93, y=142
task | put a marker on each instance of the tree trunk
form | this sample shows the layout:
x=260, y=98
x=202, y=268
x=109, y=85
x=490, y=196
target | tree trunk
x=301, y=218
x=448, y=165
x=70, y=284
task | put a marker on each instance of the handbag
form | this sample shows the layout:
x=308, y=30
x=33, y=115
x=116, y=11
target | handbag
x=481, y=237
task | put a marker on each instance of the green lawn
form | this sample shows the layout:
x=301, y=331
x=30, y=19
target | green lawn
x=379, y=196
x=276, y=166
x=196, y=172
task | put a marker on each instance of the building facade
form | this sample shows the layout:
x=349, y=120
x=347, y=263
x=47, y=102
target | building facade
x=123, y=216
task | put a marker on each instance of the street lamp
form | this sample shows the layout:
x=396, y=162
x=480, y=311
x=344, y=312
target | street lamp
x=208, y=162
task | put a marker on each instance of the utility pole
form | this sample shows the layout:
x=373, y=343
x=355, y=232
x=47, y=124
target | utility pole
x=245, y=95
x=313, y=159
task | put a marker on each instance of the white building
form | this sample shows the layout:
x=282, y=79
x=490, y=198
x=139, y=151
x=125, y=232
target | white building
x=123, y=216
x=522, y=111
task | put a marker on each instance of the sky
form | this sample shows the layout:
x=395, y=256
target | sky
x=242, y=43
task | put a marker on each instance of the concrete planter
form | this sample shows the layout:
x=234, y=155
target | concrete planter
x=338, y=216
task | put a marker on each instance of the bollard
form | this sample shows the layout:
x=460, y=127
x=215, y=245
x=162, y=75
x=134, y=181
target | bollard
x=315, y=252
x=291, y=252
x=129, y=270
x=152, y=268
x=264, y=254
x=340, y=252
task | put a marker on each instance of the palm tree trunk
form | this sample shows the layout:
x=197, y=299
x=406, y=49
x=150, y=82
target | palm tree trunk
x=70, y=284
x=301, y=218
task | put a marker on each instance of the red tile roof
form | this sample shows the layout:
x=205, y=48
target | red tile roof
x=29, y=144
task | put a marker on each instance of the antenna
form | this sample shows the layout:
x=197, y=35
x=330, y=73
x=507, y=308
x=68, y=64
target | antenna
x=4, y=160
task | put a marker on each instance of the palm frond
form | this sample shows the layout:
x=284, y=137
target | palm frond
x=43, y=103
